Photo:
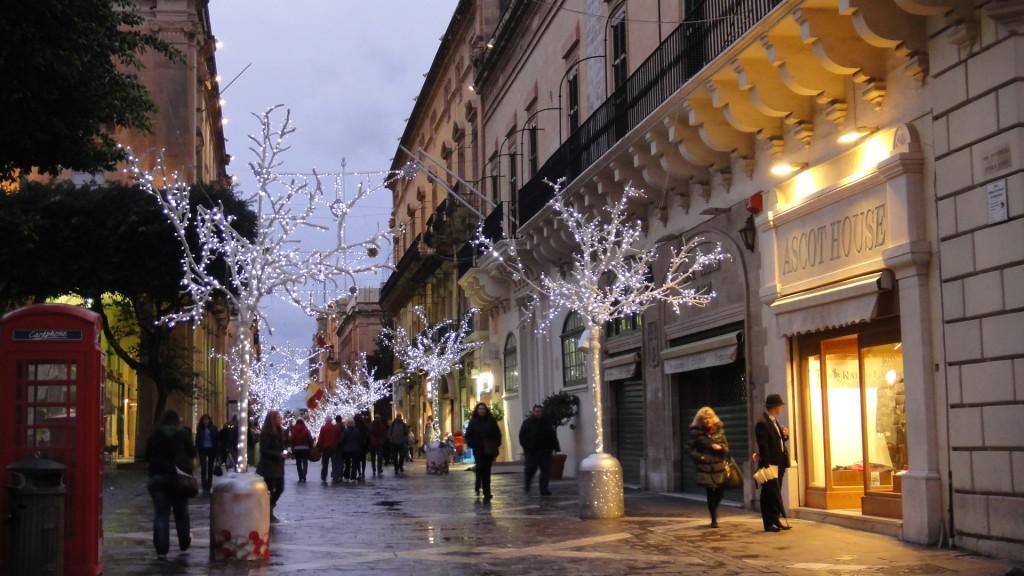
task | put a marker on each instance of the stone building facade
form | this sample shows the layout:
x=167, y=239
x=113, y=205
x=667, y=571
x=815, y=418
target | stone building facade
x=860, y=162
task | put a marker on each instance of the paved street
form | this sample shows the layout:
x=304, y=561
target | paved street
x=432, y=525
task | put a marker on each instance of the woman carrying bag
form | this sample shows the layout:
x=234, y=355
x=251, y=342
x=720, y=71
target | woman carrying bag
x=709, y=449
x=170, y=452
x=484, y=436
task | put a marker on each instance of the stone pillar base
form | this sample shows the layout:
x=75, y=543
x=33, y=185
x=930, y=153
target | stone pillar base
x=600, y=482
x=922, y=507
x=240, y=518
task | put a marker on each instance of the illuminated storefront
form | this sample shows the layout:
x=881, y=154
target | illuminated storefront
x=849, y=314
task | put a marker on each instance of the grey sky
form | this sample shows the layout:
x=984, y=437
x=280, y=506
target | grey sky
x=348, y=71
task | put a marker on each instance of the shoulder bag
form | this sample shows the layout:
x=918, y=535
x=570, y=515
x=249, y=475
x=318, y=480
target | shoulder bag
x=733, y=477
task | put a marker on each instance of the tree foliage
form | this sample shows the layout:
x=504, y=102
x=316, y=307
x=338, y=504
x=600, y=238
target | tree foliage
x=69, y=77
x=90, y=241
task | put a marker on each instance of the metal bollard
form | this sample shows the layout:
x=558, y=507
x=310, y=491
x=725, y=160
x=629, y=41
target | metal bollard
x=36, y=523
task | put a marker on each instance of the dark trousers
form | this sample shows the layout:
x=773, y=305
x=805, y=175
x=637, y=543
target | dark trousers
x=165, y=500
x=350, y=465
x=542, y=461
x=337, y=460
x=771, y=501
x=399, y=452
x=326, y=456
x=361, y=465
x=276, y=487
x=483, y=473
x=715, y=495
x=301, y=463
x=377, y=459
x=207, y=460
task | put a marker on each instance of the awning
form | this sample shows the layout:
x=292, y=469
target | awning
x=714, y=351
x=621, y=367
x=849, y=302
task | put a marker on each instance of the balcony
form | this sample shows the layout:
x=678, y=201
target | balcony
x=711, y=26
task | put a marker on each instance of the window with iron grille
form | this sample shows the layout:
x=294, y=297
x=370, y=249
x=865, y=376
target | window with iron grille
x=532, y=135
x=574, y=100
x=574, y=363
x=618, y=33
x=511, y=365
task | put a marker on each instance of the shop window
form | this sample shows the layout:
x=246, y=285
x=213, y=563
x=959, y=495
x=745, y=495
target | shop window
x=511, y=362
x=855, y=420
x=574, y=365
x=624, y=325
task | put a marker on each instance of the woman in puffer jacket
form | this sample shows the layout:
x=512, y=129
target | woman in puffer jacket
x=709, y=449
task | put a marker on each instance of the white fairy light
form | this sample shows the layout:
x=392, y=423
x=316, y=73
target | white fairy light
x=276, y=377
x=353, y=393
x=610, y=276
x=270, y=263
x=433, y=352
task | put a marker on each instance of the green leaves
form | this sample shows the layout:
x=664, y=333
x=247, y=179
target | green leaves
x=68, y=69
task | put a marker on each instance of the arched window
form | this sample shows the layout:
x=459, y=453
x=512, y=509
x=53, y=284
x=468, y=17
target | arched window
x=574, y=365
x=511, y=365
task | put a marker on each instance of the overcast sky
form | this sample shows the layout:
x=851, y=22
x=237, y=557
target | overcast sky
x=348, y=71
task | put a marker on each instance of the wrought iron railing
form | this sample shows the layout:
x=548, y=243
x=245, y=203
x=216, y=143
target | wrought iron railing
x=500, y=222
x=710, y=27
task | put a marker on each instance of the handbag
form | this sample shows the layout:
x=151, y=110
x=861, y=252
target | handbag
x=185, y=484
x=763, y=475
x=733, y=477
x=218, y=470
x=314, y=454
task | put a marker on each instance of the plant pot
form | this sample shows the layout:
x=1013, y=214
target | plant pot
x=557, y=465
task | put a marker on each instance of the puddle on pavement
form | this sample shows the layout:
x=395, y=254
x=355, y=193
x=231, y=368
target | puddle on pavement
x=391, y=504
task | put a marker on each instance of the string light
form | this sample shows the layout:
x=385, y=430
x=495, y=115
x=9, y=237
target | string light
x=269, y=263
x=275, y=378
x=434, y=352
x=353, y=393
x=610, y=275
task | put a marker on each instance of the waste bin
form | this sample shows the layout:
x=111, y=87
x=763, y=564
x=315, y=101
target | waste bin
x=36, y=521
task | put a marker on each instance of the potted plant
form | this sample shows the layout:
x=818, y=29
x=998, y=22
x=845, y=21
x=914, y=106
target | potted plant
x=560, y=408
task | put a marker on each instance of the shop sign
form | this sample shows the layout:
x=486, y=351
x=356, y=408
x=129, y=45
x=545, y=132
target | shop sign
x=832, y=241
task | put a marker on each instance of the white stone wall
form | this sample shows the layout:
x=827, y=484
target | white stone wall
x=977, y=90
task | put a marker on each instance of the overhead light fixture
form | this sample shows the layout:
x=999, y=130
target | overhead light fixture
x=472, y=88
x=217, y=79
x=783, y=168
x=854, y=135
x=490, y=44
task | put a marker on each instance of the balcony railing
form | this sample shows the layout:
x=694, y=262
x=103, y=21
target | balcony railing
x=710, y=27
x=500, y=223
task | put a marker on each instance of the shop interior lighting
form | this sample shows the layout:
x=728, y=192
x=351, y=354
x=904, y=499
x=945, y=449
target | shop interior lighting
x=490, y=44
x=783, y=168
x=851, y=136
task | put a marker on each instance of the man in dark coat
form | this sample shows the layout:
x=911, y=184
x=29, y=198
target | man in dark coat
x=539, y=440
x=772, y=451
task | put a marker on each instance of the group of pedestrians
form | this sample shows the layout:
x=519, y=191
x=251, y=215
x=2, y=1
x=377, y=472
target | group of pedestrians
x=345, y=445
x=709, y=449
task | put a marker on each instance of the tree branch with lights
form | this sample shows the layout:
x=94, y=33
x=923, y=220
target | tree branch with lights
x=434, y=352
x=271, y=263
x=610, y=275
x=354, y=392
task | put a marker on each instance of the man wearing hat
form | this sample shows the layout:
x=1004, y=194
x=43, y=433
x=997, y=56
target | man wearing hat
x=772, y=453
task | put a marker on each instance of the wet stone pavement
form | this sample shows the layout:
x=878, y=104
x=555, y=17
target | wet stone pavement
x=423, y=525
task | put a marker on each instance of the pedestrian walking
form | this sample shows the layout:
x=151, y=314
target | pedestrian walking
x=364, y=445
x=207, y=439
x=271, y=466
x=398, y=437
x=539, y=440
x=170, y=451
x=378, y=438
x=301, y=441
x=484, y=436
x=709, y=449
x=351, y=445
x=773, y=456
x=410, y=443
x=228, y=442
x=428, y=434
x=327, y=442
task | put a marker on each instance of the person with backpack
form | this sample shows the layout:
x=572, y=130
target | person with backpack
x=170, y=453
x=301, y=441
x=398, y=436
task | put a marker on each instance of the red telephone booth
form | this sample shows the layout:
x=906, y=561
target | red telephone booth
x=51, y=406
